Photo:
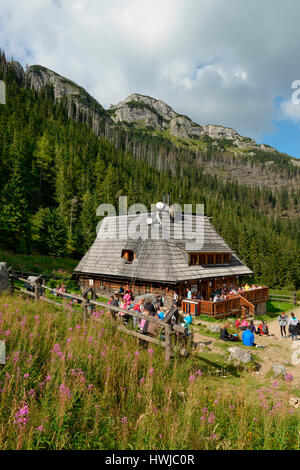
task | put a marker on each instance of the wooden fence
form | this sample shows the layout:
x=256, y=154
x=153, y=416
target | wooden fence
x=38, y=294
x=291, y=298
x=25, y=274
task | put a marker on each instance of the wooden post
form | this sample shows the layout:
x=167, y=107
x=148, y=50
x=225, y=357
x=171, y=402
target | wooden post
x=43, y=289
x=37, y=288
x=85, y=309
x=36, y=291
x=295, y=298
x=11, y=277
x=168, y=333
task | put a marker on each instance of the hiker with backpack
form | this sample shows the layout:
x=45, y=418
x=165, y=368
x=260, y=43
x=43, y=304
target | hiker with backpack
x=293, y=324
x=263, y=329
x=283, y=322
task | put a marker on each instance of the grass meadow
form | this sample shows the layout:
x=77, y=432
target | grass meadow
x=68, y=384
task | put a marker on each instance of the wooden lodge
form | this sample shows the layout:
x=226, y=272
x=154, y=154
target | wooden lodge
x=166, y=264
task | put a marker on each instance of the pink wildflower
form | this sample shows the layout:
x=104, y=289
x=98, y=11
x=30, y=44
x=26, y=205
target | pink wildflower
x=63, y=390
x=21, y=416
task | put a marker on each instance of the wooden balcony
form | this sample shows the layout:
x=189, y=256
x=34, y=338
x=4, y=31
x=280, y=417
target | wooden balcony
x=258, y=295
x=236, y=304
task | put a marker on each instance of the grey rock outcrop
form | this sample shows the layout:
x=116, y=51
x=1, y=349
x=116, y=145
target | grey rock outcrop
x=4, y=279
x=295, y=402
x=146, y=111
x=279, y=370
x=79, y=103
x=240, y=355
x=38, y=77
x=215, y=328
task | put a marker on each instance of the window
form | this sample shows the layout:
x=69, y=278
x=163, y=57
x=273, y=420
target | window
x=203, y=259
x=128, y=255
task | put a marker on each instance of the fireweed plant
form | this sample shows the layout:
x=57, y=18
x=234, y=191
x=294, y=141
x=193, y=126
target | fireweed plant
x=68, y=384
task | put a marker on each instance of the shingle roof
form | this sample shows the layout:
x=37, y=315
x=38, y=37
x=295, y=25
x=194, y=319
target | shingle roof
x=164, y=259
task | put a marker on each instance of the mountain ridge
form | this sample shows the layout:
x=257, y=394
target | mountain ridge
x=66, y=87
x=217, y=150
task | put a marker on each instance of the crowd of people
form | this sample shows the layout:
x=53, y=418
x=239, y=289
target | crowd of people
x=221, y=294
x=145, y=306
x=249, y=330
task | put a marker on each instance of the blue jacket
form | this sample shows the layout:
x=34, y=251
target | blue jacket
x=248, y=338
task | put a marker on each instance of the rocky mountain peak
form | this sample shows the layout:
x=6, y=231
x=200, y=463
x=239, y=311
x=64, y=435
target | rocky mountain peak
x=38, y=77
x=144, y=111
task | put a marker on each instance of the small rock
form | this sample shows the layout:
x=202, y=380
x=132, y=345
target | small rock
x=240, y=355
x=295, y=402
x=279, y=370
x=215, y=328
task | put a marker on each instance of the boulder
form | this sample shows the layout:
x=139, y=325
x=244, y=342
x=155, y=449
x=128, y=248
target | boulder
x=240, y=355
x=4, y=279
x=279, y=370
x=215, y=328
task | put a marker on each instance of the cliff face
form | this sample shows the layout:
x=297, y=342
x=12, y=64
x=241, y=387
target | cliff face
x=38, y=77
x=149, y=112
x=80, y=104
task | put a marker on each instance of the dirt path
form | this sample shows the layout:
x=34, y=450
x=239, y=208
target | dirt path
x=276, y=350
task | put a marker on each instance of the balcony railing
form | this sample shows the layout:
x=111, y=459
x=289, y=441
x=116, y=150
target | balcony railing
x=231, y=306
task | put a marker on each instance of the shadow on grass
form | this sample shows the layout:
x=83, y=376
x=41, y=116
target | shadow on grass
x=220, y=368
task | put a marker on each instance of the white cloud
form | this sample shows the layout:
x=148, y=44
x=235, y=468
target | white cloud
x=290, y=111
x=216, y=61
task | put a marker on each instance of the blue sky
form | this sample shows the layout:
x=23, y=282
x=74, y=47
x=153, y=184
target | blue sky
x=230, y=63
x=285, y=139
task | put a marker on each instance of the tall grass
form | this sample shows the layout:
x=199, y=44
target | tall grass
x=71, y=385
x=38, y=263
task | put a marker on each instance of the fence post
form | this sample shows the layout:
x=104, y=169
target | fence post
x=36, y=291
x=37, y=288
x=295, y=298
x=85, y=309
x=43, y=288
x=11, y=276
x=168, y=334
